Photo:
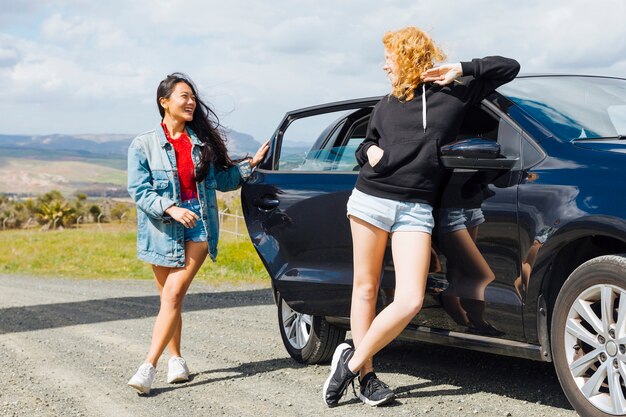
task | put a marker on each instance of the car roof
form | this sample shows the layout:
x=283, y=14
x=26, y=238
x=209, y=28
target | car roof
x=338, y=105
x=549, y=75
x=371, y=101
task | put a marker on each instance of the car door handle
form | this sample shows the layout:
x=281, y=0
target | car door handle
x=267, y=203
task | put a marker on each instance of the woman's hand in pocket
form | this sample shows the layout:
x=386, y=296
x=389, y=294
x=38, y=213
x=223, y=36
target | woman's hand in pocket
x=374, y=153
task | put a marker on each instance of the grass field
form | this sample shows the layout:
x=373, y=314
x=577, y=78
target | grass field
x=109, y=252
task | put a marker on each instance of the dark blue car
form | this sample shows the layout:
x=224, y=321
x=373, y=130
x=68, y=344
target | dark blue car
x=540, y=166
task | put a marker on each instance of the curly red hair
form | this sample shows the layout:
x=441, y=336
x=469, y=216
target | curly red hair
x=414, y=52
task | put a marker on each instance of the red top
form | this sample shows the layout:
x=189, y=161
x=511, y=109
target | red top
x=184, y=162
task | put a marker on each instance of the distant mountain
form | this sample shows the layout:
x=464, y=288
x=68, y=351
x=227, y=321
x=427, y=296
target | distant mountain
x=94, y=164
x=240, y=144
x=116, y=145
x=108, y=145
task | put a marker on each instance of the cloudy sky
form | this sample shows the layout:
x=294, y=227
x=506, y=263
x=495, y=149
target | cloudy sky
x=84, y=66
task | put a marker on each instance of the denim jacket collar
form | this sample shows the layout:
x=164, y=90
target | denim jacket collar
x=163, y=139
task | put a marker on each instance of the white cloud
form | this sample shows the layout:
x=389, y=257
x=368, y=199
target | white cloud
x=83, y=31
x=9, y=56
x=94, y=66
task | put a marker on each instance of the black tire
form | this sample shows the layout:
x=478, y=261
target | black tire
x=588, y=348
x=317, y=338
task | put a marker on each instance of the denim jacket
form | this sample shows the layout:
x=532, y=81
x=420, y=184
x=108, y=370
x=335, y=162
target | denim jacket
x=153, y=185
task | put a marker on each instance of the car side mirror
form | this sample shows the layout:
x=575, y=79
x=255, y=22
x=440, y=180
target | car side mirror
x=475, y=153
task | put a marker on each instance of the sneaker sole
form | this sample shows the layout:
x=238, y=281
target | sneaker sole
x=140, y=388
x=178, y=378
x=376, y=403
x=333, y=367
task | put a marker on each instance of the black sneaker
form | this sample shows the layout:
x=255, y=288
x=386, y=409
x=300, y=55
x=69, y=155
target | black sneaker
x=485, y=329
x=373, y=391
x=340, y=375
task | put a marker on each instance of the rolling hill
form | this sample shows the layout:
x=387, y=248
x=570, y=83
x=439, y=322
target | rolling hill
x=93, y=164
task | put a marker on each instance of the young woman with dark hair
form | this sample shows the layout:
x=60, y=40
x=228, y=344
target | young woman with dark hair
x=173, y=173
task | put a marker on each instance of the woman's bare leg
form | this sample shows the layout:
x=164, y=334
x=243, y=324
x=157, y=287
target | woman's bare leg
x=172, y=295
x=160, y=274
x=411, y=258
x=368, y=243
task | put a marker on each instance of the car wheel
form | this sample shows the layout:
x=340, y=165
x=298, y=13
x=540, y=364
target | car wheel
x=308, y=339
x=589, y=337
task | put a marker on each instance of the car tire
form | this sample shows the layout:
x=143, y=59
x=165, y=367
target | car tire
x=308, y=339
x=588, y=336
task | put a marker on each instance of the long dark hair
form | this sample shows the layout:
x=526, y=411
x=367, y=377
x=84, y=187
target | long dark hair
x=205, y=125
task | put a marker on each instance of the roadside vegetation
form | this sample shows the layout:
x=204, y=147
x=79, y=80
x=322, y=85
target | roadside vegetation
x=58, y=237
x=52, y=211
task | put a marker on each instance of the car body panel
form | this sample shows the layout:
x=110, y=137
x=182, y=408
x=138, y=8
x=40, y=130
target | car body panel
x=561, y=201
x=556, y=191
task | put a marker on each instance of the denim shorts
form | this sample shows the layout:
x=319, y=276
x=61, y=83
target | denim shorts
x=197, y=233
x=391, y=215
x=454, y=219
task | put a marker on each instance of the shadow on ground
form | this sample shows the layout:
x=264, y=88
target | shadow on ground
x=48, y=316
x=458, y=372
x=442, y=372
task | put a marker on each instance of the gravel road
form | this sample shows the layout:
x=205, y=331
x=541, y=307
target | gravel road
x=67, y=348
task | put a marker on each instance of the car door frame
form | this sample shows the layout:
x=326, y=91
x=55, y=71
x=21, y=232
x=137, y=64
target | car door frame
x=268, y=173
x=271, y=162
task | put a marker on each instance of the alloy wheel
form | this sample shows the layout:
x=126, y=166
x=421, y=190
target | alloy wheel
x=297, y=326
x=595, y=346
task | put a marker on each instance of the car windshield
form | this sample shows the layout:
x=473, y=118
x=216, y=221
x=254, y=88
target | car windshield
x=573, y=107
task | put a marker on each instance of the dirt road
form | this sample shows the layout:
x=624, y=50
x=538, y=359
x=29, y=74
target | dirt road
x=67, y=348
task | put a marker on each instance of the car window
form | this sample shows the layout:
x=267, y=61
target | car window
x=340, y=152
x=479, y=122
x=330, y=150
x=509, y=138
x=617, y=114
x=345, y=159
x=531, y=153
x=572, y=107
x=300, y=143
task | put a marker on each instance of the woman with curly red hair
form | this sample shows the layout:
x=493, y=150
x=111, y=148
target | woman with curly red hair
x=397, y=185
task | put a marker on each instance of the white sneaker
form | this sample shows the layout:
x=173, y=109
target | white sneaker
x=177, y=370
x=143, y=378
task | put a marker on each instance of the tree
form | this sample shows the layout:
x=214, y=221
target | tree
x=118, y=211
x=51, y=196
x=56, y=213
x=79, y=205
x=95, y=211
x=31, y=206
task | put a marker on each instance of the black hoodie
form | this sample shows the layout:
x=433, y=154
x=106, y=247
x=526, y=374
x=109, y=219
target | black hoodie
x=410, y=133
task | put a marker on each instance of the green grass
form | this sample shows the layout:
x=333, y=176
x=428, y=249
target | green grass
x=110, y=253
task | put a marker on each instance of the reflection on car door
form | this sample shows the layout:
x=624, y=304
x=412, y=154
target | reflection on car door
x=477, y=244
